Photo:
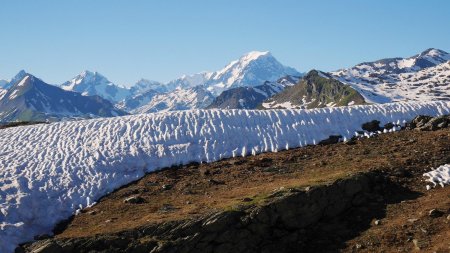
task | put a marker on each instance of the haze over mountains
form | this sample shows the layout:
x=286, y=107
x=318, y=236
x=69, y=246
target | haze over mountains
x=256, y=80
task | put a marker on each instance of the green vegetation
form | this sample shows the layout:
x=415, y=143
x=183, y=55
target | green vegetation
x=316, y=91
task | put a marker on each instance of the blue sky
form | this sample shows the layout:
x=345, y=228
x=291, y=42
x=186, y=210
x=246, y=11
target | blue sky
x=161, y=40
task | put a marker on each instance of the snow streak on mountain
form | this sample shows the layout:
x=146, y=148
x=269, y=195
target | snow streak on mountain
x=421, y=77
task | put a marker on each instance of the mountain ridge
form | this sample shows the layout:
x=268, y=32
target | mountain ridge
x=251, y=97
x=31, y=99
x=315, y=90
x=383, y=80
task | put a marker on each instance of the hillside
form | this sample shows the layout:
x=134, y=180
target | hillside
x=315, y=90
x=134, y=145
x=366, y=196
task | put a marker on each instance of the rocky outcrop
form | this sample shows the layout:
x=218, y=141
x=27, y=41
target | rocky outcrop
x=427, y=123
x=281, y=222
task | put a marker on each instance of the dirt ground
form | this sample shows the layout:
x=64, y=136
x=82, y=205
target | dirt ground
x=403, y=224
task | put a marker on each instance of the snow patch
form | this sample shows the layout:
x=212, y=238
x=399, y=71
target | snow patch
x=439, y=176
x=50, y=171
x=22, y=83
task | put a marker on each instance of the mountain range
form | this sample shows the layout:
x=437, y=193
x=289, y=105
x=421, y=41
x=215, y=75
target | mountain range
x=256, y=80
x=421, y=77
x=31, y=99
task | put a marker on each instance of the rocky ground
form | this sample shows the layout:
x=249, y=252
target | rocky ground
x=366, y=195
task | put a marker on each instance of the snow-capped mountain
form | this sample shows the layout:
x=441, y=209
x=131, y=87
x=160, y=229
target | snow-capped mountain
x=251, y=97
x=386, y=80
x=189, y=81
x=31, y=99
x=144, y=85
x=93, y=83
x=431, y=83
x=198, y=90
x=252, y=69
x=316, y=89
x=179, y=99
x=136, y=101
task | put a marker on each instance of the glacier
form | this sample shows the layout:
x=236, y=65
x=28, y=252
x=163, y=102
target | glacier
x=48, y=172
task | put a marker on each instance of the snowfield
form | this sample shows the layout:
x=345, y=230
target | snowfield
x=47, y=172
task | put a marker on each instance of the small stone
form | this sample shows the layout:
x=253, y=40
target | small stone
x=351, y=141
x=188, y=202
x=448, y=217
x=358, y=246
x=92, y=212
x=216, y=182
x=134, y=200
x=418, y=244
x=108, y=221
x=412, y=220
x=167, y=187
x=205, y=172
x=434, y=213
x=247, y=199
x=166, y=208
x=151, y=183
x=377, y=222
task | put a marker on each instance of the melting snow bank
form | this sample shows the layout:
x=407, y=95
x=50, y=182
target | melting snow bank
x=439, y=176
x=47, y=172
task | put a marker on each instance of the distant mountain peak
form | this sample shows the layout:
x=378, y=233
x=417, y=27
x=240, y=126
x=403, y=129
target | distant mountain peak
x=252, y=69
x=22, y=72
x=30, y=99
x=145, y=85
x=91, y=83
x=90, y=74
x=315, y=90
x=253, y=55
x=433, y=52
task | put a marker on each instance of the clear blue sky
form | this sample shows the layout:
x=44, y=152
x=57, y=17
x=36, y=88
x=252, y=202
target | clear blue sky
x=160, y=40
